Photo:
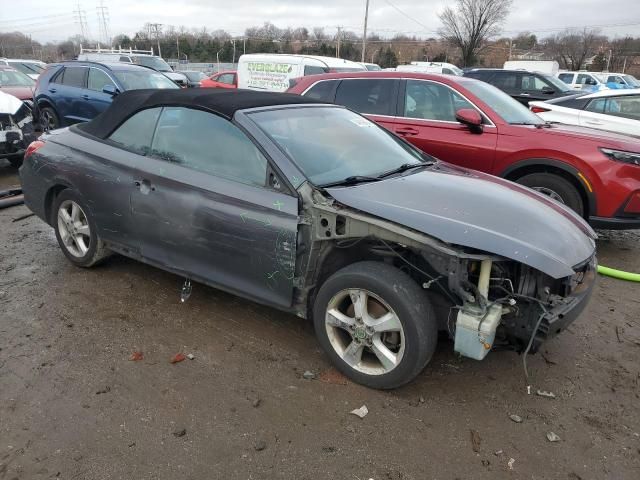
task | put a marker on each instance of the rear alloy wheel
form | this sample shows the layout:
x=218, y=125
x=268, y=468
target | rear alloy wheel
x=48, y=119
x=376, y=324
x=75, y=231
x=556, y=187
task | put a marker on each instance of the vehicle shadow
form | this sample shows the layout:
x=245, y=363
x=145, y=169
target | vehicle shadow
x=8, y=175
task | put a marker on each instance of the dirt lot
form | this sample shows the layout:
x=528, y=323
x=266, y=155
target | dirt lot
x=72, y=405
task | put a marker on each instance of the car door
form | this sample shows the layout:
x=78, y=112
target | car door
x=226, y=80
x=509, y=82
x=618, y=114
x=535, y=88
x=428, y=120
x=203, y=208
x=96, y=99
x=71, y=105
x=374, y=97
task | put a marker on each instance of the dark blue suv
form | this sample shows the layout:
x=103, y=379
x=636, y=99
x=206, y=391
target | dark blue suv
x=72, y=92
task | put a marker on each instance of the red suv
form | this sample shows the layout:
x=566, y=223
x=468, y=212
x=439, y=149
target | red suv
x=473, y=124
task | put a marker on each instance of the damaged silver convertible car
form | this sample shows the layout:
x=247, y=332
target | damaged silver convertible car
x=317, y=211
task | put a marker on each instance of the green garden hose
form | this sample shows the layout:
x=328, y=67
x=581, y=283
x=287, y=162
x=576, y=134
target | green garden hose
x=611, y=272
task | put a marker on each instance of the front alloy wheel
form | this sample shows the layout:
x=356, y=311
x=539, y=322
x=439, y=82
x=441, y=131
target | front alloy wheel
x=364, y=331
x=375, y=323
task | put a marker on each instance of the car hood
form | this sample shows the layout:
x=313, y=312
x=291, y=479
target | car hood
x=23, y=93
x=604, y=138
x=477, y=210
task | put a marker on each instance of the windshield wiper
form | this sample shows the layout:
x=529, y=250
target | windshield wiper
x=403, y=168
x=352, y=180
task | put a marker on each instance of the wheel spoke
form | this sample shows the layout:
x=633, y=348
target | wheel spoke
x=64, y=215
x=389, y=322
x=387, y=358
x=83, y=230
x=353, y=354
x=82, y=245
x=359, y=300
x=338, y=319
x=75, y=212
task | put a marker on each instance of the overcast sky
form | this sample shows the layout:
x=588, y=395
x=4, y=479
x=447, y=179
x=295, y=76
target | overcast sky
x=49, y=20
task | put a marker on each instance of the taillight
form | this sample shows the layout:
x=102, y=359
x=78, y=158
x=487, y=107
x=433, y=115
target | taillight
x=539, y=109
x=33, y=148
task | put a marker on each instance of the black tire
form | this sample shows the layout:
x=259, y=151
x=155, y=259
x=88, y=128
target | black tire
x=96, y=251
x=550, y=182
x=48, y=118
x=406, y=299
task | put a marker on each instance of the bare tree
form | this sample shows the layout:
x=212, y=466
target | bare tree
x=573, y=47
x=471, y=23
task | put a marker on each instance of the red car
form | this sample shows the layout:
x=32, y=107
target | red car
x=16, y=83
x=473, y=124
x=227, y=79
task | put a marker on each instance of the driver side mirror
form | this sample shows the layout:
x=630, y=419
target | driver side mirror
x=471, y=118
x=110, y=89
x=548, y=90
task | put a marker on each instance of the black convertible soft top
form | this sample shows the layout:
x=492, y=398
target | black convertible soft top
x=222, y=102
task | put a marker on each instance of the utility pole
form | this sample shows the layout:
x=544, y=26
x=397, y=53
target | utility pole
x=178, y=46
x=338, y=35
x=608, y=60
x=156, y=28
x=233, y=41
x=244, y=45
x=624, y=65
x=364, y=36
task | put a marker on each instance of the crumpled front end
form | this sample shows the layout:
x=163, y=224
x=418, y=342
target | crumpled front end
x=16, y=131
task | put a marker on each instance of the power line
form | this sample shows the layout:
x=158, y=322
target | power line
x=405, y=14
x=29, y=19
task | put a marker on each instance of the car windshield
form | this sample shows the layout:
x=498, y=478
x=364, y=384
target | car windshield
x=556, y=82
x=139, y=79
x=13, y=78
x=510, y=110
x=156, y=63
x=373, y=67
x=28, y=67
x=631, y=81
x=456, y=70
x=332, y=144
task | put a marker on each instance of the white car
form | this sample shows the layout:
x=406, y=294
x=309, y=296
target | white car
x=589, y=81
x=31, y=68
x=614, y=110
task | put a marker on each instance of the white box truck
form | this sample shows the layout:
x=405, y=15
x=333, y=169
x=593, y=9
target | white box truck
x=272, y=72
x=543, y=66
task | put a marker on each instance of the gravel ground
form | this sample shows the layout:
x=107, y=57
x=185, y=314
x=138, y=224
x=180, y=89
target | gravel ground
x=73, y=406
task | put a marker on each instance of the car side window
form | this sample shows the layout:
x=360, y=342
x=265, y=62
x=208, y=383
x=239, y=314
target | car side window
x=323, y=91
x=627, y=106
x=226, y=78
x=566, y=77
x=596, y=105
x=98, y=80
x=372, y=96
x=432, y=101
x=75, y=77
x=533, y=82
x=313, y=70
x=136, y=133
x=505, y=80
x=208, y=143
x=58, y=77
x=584, y=79
x=125, y=59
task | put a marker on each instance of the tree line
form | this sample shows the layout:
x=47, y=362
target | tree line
x=469, y=36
